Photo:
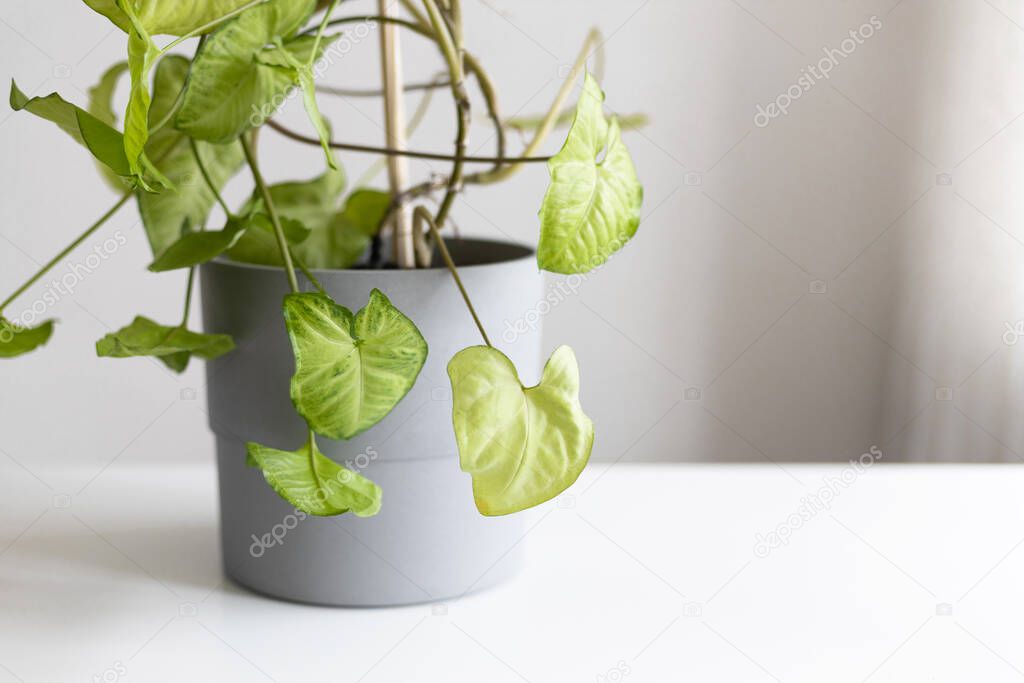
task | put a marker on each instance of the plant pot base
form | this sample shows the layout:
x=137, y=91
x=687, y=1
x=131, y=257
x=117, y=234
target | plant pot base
x=424, y=545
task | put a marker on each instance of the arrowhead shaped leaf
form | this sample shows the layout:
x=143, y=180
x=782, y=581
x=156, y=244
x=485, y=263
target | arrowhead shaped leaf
x=230, y=89
x=522, y=446
x=174, y=346
x=100, y=139
x=191, y=199
x=314, y=483
x=592, y=207
x=350, y=370
x=291, y=56
x=16, y=341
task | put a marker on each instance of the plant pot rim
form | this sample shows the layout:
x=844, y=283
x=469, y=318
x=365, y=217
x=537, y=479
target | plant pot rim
x=508, y=252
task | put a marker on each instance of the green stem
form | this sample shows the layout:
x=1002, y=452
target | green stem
x=549, y=120
x=188, y=296
x=320, y=31
x=67, y=250
x=206, y=177
x=451, y=48
x=421, y=214
x=309, y=274
x=268, y=202
x=387, y=151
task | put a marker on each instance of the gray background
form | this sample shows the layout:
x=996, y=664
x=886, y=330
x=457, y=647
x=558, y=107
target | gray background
x=839, y=279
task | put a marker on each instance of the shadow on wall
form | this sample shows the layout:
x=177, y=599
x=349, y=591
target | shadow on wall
x=891, y=338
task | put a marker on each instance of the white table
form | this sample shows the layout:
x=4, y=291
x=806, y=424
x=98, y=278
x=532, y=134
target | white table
x=646, y=573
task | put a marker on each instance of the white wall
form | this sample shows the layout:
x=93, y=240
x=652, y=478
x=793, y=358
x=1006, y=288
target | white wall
x=838, y=279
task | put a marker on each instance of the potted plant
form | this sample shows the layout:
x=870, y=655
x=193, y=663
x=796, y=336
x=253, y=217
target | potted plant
x=328, y=406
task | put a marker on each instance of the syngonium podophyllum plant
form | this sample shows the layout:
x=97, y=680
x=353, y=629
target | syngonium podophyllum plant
x=191, y=124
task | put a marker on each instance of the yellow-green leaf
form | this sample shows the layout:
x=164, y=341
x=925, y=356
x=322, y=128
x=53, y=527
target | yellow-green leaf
x=350, y=370
x=314, y=483
x=522, y=446
x=16, y=341
x=592, y=207
x=172, y=345
x=230, y=88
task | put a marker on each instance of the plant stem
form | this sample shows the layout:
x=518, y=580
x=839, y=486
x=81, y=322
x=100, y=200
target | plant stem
x=452, y=51
x=421, y=214
x=268, y=202
x=377, y=92
x=387, y=151
x=309, y=274
x=206, y=177
x=422, y=107
x=549, y=120
x=381, y=19
x=67, y=250
x=188, y=296
x=320, y=31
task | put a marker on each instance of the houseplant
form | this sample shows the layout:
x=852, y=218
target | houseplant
x=191, y=123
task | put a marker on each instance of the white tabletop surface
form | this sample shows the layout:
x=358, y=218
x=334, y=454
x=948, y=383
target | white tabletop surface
x=644, y=573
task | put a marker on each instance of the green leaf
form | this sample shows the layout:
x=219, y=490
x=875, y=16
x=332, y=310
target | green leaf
x=101, y=105
x=314, y=483
x=522, y=446
x=190, y=200
x=592, y=207
x=172, y=345
x=167, y=17
x=195, y=248
x=101, y=95
x=96, y=136
x=199, y=247
x=258, y=243
x=284, y=56
x=350, y=370
x=232, y=89
x=17, y=341
x=142, y=56
x=337, y=239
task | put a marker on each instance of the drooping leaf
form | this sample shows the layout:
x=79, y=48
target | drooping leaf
x=350, y=370
x=101, y=105
x=230, y=88
x=522, y=446
x=190, y=200
x=174, y=346
x=199, y=247
x=285, y=56
x=195, y=248
x=142, y=56
x=16, y=341
x=167, y=17
x=99, y=138
x=314, y=483
x=101, y=95
x=592, y=207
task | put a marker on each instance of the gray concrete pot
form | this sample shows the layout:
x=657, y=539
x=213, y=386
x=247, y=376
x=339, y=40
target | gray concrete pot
x=428, y=542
